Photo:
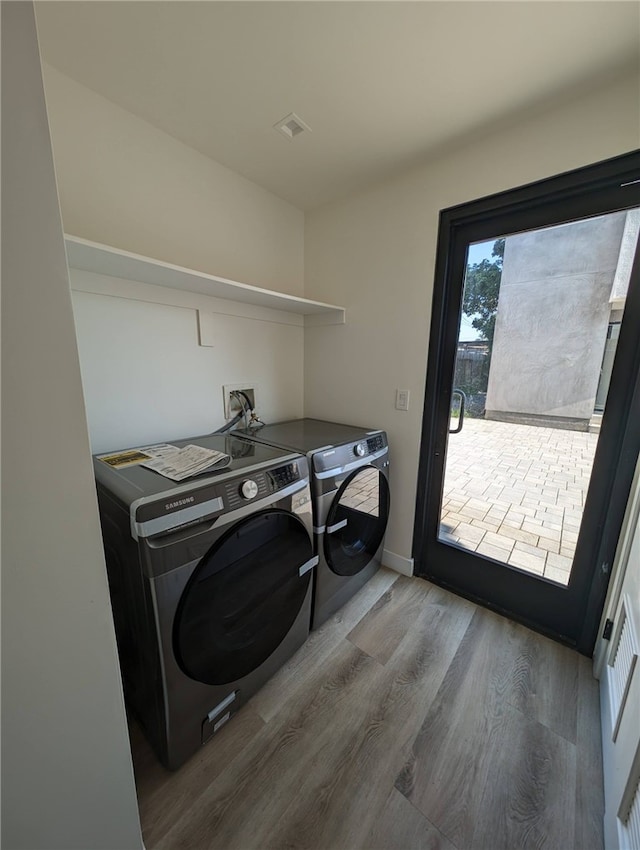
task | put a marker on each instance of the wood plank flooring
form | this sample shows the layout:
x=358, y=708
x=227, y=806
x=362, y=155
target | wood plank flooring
x=412, y=720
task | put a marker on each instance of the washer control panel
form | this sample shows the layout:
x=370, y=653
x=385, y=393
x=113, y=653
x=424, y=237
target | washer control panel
x=249, y=489
x=283, y=475
x=243, y=490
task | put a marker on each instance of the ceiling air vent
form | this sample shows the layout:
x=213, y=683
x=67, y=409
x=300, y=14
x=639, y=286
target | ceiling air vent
x=291, y=126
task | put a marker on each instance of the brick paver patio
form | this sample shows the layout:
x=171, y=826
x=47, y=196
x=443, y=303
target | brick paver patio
x=362, y=493
x=515, y=493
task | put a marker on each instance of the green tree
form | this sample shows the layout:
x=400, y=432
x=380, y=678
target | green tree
x=481, y=290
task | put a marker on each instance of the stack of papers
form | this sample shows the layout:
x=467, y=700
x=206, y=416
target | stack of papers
x=170, y=461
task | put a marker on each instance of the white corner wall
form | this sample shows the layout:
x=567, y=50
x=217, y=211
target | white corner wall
x=125, y=183
x=67, y=778
x=374, y=252
x=147, y=379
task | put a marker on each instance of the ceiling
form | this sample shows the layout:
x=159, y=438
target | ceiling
x=382, y=85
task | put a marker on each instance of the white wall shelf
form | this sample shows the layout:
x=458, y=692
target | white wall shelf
x=112, y=262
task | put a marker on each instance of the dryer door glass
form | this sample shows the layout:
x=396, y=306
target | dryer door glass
x=357, y=521
x=243, y=598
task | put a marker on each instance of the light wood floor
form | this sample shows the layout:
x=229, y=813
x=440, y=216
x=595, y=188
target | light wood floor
x=412, y=720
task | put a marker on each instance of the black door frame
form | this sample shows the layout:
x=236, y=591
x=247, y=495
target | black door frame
x=569, y=615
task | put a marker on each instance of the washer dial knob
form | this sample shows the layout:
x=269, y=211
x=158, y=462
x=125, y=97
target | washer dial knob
x=249, y=489
x=360, y=449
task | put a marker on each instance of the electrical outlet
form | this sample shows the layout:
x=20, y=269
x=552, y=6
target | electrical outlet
x=231, y=404
x=402, y=399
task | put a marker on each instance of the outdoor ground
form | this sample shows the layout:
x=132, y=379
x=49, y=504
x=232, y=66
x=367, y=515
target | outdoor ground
x=515, y=493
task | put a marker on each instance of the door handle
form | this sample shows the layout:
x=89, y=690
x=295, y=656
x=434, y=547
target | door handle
x=331, y=528
x=463, y=400
x=309, y=565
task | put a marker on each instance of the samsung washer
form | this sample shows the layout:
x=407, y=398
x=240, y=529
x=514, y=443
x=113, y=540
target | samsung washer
x=350, y=494
x=211, y=585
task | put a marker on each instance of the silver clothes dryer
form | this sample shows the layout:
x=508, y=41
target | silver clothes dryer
x=351, y=502
x=211, y=585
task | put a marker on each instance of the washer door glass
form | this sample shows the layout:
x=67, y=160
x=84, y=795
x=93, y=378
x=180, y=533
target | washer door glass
x=357, y=521
x=242, y=598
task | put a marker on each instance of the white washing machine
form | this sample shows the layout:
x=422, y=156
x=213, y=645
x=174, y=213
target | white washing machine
x=211, y=585
x=351, y=502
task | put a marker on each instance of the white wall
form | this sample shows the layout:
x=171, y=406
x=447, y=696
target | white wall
x=124, y=183
x=147, y=379
x=67, y=779
x=375, y=252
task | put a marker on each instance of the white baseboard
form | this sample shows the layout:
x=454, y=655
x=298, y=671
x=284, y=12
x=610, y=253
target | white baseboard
x=401, y=565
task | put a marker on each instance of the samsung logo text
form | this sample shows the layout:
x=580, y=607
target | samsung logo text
x=177, y=504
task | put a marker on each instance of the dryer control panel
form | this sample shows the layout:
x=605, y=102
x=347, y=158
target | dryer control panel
x=342, y=458
x=376, y=443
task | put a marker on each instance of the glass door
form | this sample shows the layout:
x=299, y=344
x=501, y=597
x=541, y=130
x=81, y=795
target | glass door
x=534, y=332
x=519, y=404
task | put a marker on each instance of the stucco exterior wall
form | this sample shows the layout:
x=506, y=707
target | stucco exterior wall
x=551, y=324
